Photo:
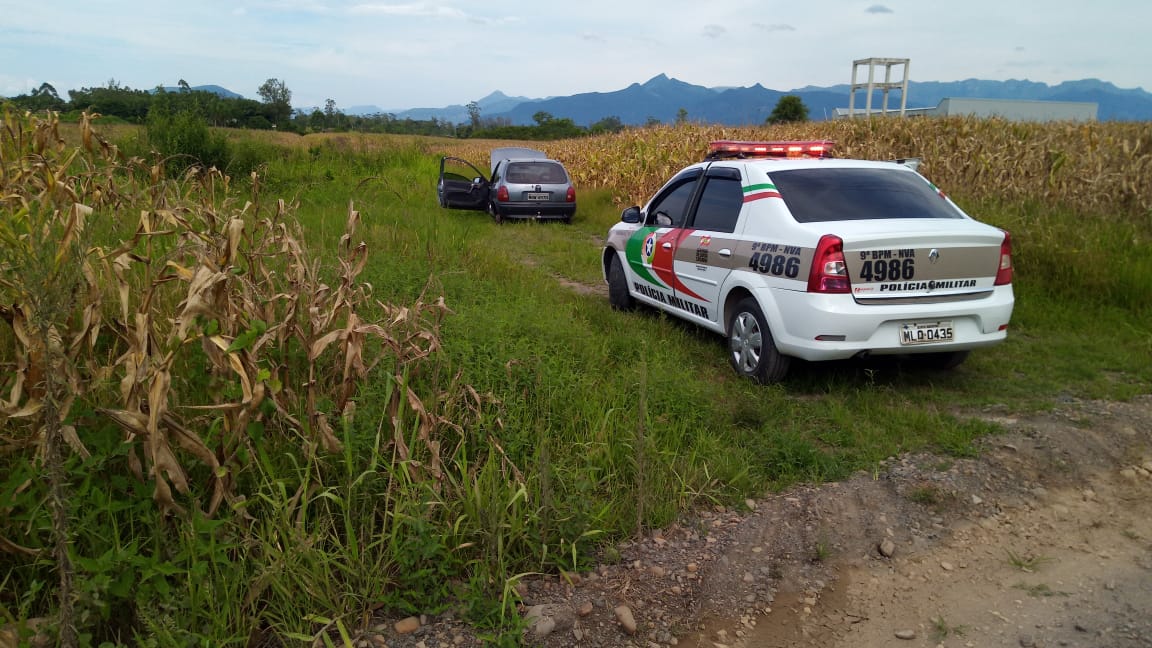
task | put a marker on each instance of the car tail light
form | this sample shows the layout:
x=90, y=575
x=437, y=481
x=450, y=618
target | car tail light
x=1004, y=272
x=570, y=196
x=502, y=194
x=829, y=272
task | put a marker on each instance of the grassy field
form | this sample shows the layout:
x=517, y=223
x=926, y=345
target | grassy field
x=501, y=418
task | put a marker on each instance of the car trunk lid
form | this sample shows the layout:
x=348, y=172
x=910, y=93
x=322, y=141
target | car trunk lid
x=921, y=260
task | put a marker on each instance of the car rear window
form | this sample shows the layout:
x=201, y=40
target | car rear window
x=536, y=173
x=839, y=194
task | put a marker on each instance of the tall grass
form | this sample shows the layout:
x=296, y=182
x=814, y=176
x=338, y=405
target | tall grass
x=509, y=421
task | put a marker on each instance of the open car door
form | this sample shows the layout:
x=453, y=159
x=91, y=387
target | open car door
x=461, y=185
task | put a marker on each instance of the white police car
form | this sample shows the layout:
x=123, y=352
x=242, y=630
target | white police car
x=791, y=253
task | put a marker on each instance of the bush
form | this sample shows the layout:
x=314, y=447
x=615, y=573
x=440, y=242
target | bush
x=184, y=140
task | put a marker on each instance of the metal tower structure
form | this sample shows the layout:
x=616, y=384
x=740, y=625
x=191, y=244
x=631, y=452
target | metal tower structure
x=872, y=85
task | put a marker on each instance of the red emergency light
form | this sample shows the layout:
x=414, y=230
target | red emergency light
x=797, y=149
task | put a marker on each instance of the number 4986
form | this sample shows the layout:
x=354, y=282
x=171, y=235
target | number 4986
x=888, y=270
x=775, y=264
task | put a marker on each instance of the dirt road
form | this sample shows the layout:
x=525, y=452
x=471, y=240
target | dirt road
x=1044, y=540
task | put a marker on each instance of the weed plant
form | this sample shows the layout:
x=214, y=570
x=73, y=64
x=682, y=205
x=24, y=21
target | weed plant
x=1026, y=562
x=942, y=629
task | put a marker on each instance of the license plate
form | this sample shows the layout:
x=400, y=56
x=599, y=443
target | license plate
x=925, y=332
x=538, y=195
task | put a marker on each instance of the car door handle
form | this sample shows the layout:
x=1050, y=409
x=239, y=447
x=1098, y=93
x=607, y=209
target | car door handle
x=725, y=252
x=666, y=246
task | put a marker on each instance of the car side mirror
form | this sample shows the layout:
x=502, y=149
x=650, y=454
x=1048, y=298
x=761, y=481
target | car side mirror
x=630, y=215
x=477, y=181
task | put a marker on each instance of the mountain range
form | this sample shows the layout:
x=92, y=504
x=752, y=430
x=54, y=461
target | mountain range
x=214, y=89
x=662, y=98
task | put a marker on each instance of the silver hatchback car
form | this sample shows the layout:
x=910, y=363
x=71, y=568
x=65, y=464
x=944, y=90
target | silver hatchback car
x=524, y=184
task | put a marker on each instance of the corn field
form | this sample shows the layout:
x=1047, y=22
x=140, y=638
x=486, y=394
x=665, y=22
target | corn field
x=1095, y=166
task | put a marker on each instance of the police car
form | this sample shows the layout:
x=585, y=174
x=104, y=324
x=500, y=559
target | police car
x=792, y=253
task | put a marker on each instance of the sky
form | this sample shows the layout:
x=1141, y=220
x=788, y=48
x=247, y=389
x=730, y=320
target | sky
x=397, y=54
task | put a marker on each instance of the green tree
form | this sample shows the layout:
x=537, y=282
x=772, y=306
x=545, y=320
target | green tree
x=46, y=90
x=211, y=104
x=473, y=114
x=278, y=98
x=113, y=100
x=610, y=124
x=550, y=127
x=682, y=116
x=42, y=98
x=274, y=91
x=790, y=108
x=180, y=135
x=316, y=120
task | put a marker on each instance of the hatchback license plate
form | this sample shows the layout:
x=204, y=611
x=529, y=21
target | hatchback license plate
x=925, y=332
x=538, y=195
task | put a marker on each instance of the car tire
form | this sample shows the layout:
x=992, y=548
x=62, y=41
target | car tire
x=943, y=361
x=618, y=295
x=495, y=212
x=751, y=349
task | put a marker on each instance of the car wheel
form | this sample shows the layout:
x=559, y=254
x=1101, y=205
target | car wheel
x=751, y=349
x=943, y=361
x=495, y=212
x=618, y=294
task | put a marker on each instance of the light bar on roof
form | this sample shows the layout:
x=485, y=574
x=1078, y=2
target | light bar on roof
x=808, y=148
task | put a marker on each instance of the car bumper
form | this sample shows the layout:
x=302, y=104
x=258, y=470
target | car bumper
x=539, y=211
x=833, y=327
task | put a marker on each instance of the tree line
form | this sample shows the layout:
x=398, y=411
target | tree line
x=274, y=111
x=117, y=101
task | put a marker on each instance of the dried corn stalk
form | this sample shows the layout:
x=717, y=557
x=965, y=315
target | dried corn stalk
x=208, y=314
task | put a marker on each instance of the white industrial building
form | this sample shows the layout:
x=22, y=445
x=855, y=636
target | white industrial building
x=1010, y=109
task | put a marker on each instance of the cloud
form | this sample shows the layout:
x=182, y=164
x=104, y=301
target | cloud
x=10, y=86
x=878, y=9
x=292, y=6
x=774, y=28
x=425, y=10
x=714, y=31
x=418, y=9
